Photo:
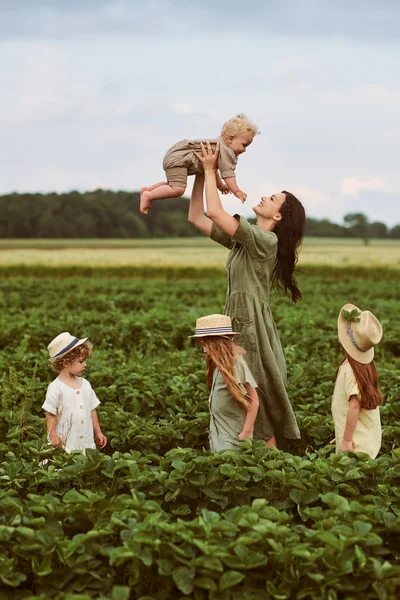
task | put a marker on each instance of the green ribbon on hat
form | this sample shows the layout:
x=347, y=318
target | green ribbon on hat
x=353, y=315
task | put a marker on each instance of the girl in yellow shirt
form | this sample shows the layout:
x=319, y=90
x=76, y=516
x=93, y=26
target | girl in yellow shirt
x=356, y=397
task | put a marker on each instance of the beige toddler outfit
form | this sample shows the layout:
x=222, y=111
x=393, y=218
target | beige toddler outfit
x=181, y=161
x=367, y=435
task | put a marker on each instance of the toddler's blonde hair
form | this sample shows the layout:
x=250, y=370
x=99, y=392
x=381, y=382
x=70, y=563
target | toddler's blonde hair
x=237, y=125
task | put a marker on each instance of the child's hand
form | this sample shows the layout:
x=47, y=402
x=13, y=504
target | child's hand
x=223, y=188
x=346, y=446
x=241, y=195
x=244, y=434
x=55, y=441
x=101, y=440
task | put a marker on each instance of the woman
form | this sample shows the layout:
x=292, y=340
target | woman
x=261, y=256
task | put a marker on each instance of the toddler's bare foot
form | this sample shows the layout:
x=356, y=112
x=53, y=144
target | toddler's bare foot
x=143, y=189
x=145, y=201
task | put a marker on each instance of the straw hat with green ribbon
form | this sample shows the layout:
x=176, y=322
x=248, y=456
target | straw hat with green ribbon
x=359, y=331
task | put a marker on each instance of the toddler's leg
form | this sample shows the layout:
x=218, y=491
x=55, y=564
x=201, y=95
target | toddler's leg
x=163, y=191
x=176, y=186
x=150, y=188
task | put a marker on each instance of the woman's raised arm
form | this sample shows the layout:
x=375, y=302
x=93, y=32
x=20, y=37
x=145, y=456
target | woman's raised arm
x=196, y=210
x=215, y=211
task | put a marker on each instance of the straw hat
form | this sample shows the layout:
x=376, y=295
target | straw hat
x=213, y=325
x=62, y=344
x=359, y=335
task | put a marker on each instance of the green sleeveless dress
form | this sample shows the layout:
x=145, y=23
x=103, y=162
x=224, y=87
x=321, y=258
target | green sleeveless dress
x=249, y=268
x=226, y=416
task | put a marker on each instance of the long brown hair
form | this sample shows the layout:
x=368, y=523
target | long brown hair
x=290, y=231
x=222, y=353
x=367, y=380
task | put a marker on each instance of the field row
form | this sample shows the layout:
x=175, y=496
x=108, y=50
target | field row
x=184, y=252
x=155, y=515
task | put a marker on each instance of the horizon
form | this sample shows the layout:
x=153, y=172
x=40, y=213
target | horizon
x=187, y=199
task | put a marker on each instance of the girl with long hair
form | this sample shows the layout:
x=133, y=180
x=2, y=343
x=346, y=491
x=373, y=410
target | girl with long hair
x=261, y=256
x=356, y=397
x=233, y=397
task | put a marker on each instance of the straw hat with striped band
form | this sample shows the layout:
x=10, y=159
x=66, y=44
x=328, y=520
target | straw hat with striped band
x=62, y=344
x=359, y=335
x=213, y=325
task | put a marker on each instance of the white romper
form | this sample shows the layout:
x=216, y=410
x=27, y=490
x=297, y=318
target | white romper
x=73, y=409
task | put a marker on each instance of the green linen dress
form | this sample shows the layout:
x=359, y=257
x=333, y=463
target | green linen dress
x=249, y=268
x=226, y=416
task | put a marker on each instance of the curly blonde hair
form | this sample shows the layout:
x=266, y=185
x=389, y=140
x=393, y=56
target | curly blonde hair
x=81, y=352
x=238, y=125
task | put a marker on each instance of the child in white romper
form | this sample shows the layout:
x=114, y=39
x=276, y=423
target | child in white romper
x=356, y=397
x=71, y=402
x=181, y=160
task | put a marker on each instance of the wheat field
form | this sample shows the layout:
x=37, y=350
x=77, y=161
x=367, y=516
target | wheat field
x=186, y=252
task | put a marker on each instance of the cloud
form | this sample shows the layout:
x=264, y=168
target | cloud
x=352, y=186
x=311, y=197
x=182, y=109
x=358, y=19
x=315, y=200
x=294, y=71
x=377, y=205
x=90, y=93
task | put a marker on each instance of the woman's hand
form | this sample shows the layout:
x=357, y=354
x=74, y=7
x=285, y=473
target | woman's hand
x=244, y=434
x=208, y=157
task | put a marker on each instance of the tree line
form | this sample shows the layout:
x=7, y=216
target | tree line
x=108, y=214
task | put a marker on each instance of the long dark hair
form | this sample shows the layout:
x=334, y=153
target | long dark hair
x=366, y=377
x=290, y=231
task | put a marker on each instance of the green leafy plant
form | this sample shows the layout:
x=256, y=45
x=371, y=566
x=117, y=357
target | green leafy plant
x=157, y=516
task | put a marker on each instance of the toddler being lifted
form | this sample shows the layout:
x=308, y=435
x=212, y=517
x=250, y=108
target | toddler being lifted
x=181, y=161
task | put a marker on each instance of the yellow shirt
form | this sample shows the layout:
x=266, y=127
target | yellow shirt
x=367, y=435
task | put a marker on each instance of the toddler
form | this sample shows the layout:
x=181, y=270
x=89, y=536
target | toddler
x=356, y=397
x=233, y=397
x=181, y=161
x=70, y=400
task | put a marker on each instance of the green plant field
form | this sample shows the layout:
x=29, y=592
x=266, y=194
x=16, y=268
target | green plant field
x=186, y=252
x=155, y=516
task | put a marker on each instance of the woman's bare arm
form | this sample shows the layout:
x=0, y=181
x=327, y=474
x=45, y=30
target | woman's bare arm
x=215, y=210
x=196, y=210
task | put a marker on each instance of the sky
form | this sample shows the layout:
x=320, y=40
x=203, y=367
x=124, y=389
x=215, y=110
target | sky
x=94, y=92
